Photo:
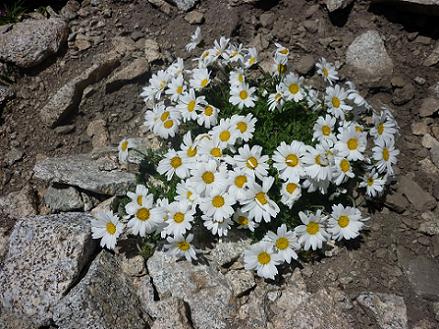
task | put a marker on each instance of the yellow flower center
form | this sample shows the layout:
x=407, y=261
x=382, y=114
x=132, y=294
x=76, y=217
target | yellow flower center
x=312, y=228
x=208, y=111
x=183, y=245
x=240, y=78
x=111, y=228
x=291, y=187
x=284, y=51
x=343, y=221
x=317, y=160
x=386, y=154
x=224, y=136
x=243, y=94
x=176, y=162
x=264, y=258
x=191, y=152
x=208, y=177
x=262, y=198
x=216, y=152
x=168, y=124
x=242, y=126
x=178, y=217
x=164, y=116
x=242, y=220
x=143, y=214
x=380, y=129
x=282, y=243
x=326, y=130
x=189, y=195
x=218, y=201
x=358, y=129
x=179, y=90
x=278, y=97
x=345, y=165
x=191, y=106
x=291, y=160
x=124, y=146
x=204, y=83
x=252, y=163
x=281, y=68
x=252, y=60
x=294, y=88
x=240, y=180
x=140, y=200
x=352, y=144
x=325, y=72
x=370, y=181
x=335, y=102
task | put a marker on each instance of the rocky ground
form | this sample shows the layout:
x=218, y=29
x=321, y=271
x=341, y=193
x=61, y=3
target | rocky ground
x=73, y=92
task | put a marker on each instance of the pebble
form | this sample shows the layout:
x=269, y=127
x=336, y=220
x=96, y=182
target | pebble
x=194, y=17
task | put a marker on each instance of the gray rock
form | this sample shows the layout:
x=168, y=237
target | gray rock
x=421, y=272
x=14, y=155
x=135, y=70
x=403, y=95
x=429, y=106
x=419, y=198
x=184, y=5
x=63, y=199
x=98, y=132
x=5, y=94
x=267, y=19
x=171, y=314
x=162, y=5
x=434, y=89
x=433, y=58
x=45, y=258
x=430, y=225
x=434, y=154
x=99, y=176
x=28, y=43
x=194, y=17
x=305, y=64
x=334, y=5
x=396, y=202
x=429, y=141
x=389, y=311
x=67, y=99
x=205, y=290
x=419, y=128
x=152, y=51
x=241, y=281
x=367, y=55
x=19, y=204
x=104, y=298
x=228, y=249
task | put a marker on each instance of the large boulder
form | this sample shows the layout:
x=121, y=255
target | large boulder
x=45, y=258
x=28, y=43
x=104, y=298
x=96, y=175
x=367, y=56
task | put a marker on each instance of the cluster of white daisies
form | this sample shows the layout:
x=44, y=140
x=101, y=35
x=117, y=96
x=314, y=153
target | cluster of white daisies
x=223, y=179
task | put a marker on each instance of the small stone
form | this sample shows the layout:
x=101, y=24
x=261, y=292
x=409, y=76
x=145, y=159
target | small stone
x=241, y=281
x=396, y=202
x=267, y=19
x=135, y=70
x=436, y=310
x=398, y=81
x=136, y=35
x=428, y=167
x=430, y=225
x=184, y=5
x=305, y=65
x=132, y=265
x=433, y=58
x=334, y=5
x=419, y=198
x=171, y=314
x=389, y=311
x=82, y=44
x=64, y=130
x=311, y=25
x=152, y=51
x=429, y=106
x=228, y=249
x=194, y=17
x=420, y=81
x=5, y=93
x=428, y=141
x=14, y=155
x=423, y=40
x=98, y=132
x=403, y=95
x=63, y=199
x=19, y=204
x=162, y=5
x=434, y=154
x=420, y=128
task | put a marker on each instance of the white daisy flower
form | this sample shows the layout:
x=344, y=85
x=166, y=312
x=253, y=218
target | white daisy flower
x=217, y=227
x=208, y=116
x=106, y=227
x=262, y=258
x=208, y=175
x=288, y=159
x=312, y=233
x=177, y=68
x=335, y=101
x=327, y=71
x=224, y=133
x=168, y=123
x=251, y=161
x=244, y=222
x=124, y=146
x=281, y=52
x=317, y=162
x=145, y=218
x=176, y=88
x=180, y=217
x=239, y=181
x=351, y=143
x=162, y=205
x=257, y=202
x=188, y=147
x=384, y=128
x=324, y=130
x=292, y=87
x=234, y=54
x=343, y=170
x=345, y=222
x=251, y=58
x=313, y=185
x=196, y=38
x=237, y=78
x=373, y=183
x=186, y=191
x=137, y=196
x=211, y=148
x=220, y=46
x=385, y=154
x=242, y=96
x=291, y=192
x=175, y=163
x=157, y=85
x=280, y=66
x=277, y=99
x=200, y=78
x=244, y=126
x=189, y=104
x=284, y=242
x=217, y=204
x=180, y=246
